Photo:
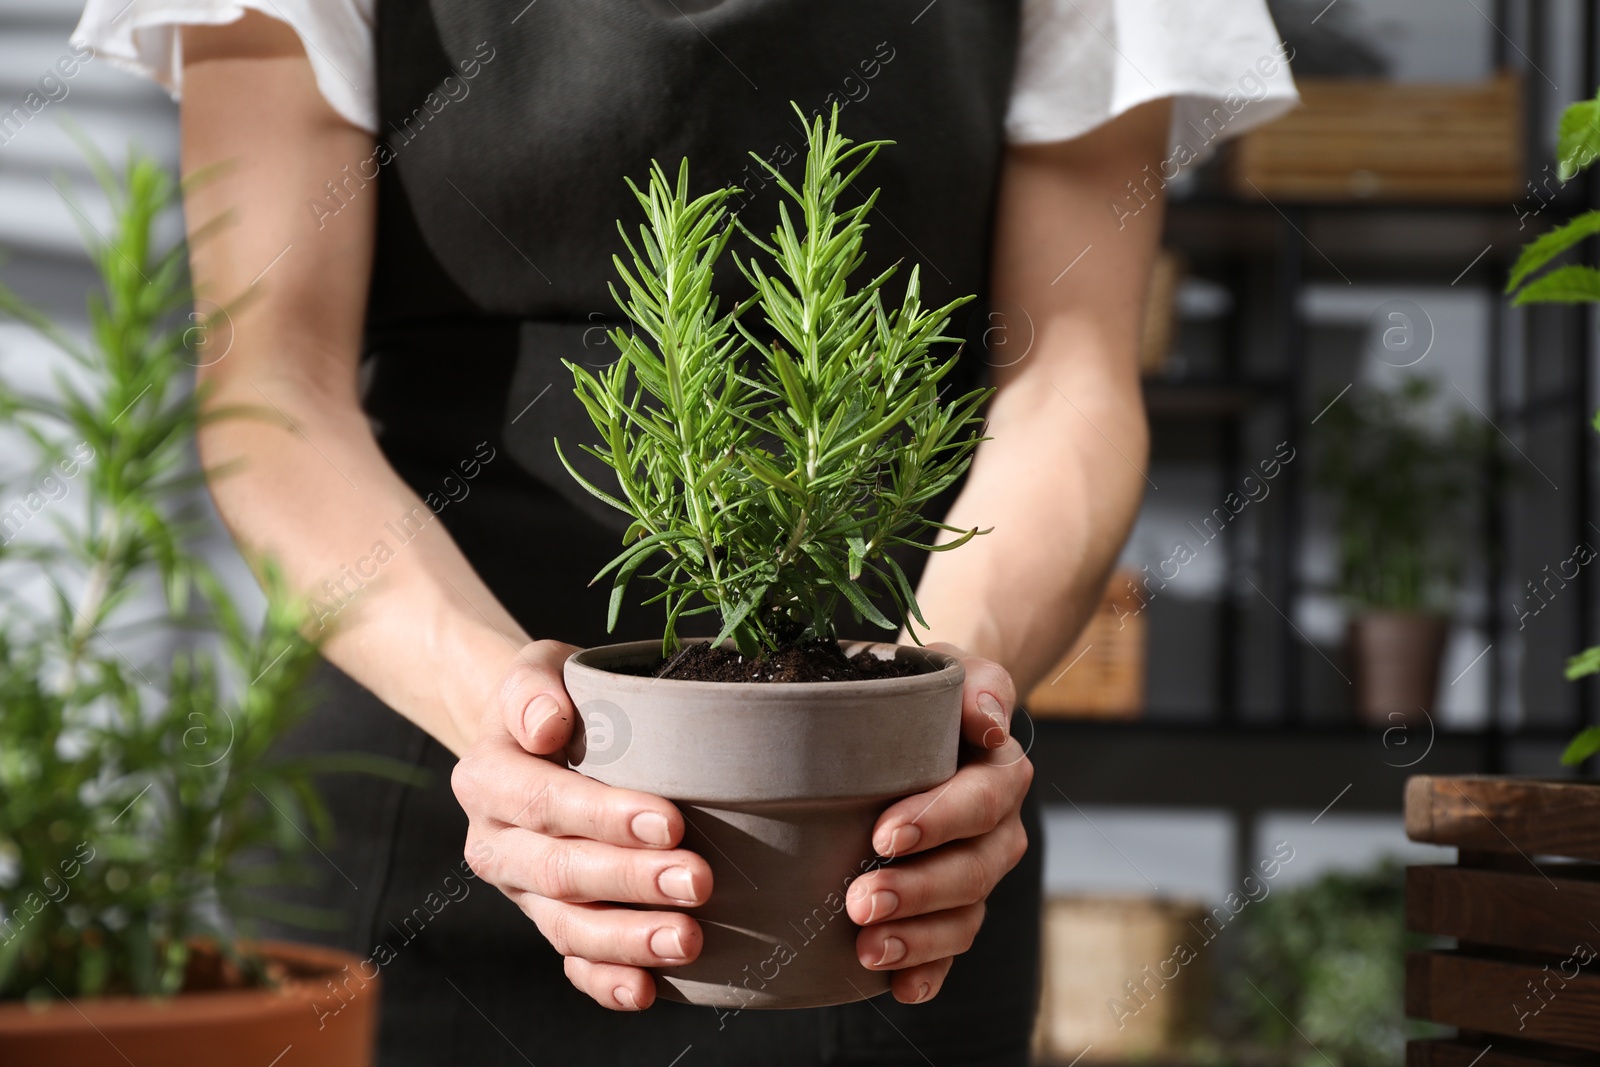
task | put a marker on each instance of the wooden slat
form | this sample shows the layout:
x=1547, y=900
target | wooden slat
x=1325, y=98
x=1378, y=90
x=1548, y=913
x=1506, y=815
x=1490, y=1052
x=1493, y=996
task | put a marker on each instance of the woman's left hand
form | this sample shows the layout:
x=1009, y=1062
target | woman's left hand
x=967, y=834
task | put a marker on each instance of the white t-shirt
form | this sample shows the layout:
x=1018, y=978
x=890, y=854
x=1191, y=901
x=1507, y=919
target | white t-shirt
x=1081, y=62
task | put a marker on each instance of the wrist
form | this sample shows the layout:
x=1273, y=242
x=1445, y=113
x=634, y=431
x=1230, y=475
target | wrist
x=476, y=658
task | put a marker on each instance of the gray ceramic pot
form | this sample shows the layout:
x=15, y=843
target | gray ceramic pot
x=780, y=785
x=1396, y=657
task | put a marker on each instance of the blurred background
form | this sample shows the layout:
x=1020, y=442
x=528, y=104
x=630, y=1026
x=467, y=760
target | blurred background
x=1363, y=549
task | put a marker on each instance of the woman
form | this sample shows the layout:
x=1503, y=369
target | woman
x=421, y=206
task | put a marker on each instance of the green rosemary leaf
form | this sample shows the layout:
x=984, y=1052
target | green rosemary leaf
x=768, y=465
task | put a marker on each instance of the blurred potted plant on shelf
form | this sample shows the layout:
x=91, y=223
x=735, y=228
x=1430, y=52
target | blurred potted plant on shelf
x=142, y=810
x=1578, y=145
x=768, y=470
x=1405, y=490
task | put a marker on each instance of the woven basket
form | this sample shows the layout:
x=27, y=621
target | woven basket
x=1377, y=140
x=1160, y=313
x=1094, y=947
x=1102, y=675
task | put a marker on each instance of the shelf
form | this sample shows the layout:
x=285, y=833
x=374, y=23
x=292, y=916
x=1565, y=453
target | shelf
x=1287, y=725
x=1266, y=254
x=1240, y=768
x=1178, y=399
x=1564, y=201
x=1361, y=242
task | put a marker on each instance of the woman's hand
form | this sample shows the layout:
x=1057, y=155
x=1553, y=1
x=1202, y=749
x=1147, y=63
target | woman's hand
x=967, y=834
x=1057, y=483
x=567, y=849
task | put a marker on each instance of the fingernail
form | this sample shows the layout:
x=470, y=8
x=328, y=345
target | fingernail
x=990, y=708
x=894, y=950
x=624, y=997
x=651, y=828
x=881, y=905
x=900, y=840
x=922, y=992
x=666, y=943
x=677, y=883
x=539, y=711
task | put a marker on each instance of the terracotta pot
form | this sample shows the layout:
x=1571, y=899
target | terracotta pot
x=1395, y=656
x=301, y=1023
x=780, y=785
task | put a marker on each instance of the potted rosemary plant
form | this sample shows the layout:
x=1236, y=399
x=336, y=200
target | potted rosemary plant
x=1402, y=487
x=142, y=810
x=770, y=455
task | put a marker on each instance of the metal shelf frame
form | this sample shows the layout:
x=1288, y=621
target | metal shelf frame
x=1231, y=761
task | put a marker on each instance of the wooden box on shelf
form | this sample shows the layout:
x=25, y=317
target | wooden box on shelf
x=1523, y=901
x=1103, y=986
x=1395, y=141
x=1102, y=675
x=1160, y=313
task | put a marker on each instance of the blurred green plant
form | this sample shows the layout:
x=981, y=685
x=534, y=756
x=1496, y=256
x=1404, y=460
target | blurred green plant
x=1319, y=977
x=1583, y=664
x=141, y=804
x=1577, y=147
x=767, y=493
x=1404, y=488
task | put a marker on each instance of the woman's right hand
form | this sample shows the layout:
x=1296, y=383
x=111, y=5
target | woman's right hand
x=567, y=849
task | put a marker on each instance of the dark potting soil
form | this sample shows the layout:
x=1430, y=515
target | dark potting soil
x=816, y=661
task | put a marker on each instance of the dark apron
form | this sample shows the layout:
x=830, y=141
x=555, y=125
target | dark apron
x=508, y=131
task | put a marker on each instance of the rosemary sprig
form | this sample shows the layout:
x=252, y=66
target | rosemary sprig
x=768, y=468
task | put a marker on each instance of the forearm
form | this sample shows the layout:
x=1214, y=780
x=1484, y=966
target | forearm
x=301, y=478
x=1060, y=480
x=399, y=607
x=1058, y=486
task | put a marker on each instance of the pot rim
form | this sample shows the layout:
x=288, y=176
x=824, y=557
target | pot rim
x=948, y=674
x=1401, y=613
x=307, y=965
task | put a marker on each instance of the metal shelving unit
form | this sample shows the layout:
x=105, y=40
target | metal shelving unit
x=1244, y=754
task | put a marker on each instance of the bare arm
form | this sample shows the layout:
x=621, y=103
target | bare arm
x=311, y=487
x=1059, y=483
x=1061, y=480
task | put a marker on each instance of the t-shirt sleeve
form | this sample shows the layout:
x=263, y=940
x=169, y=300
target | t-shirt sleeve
x=142, y=36
x=1084, y=62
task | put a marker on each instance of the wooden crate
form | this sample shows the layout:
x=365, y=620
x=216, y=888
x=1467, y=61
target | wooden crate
x=1094, y=947
x=1102, y=674
x=1523, y=901
x=1160, y=313
x=1395, y=141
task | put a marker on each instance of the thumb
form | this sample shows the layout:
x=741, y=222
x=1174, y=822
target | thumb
x=988, y=699
x=533, y=700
